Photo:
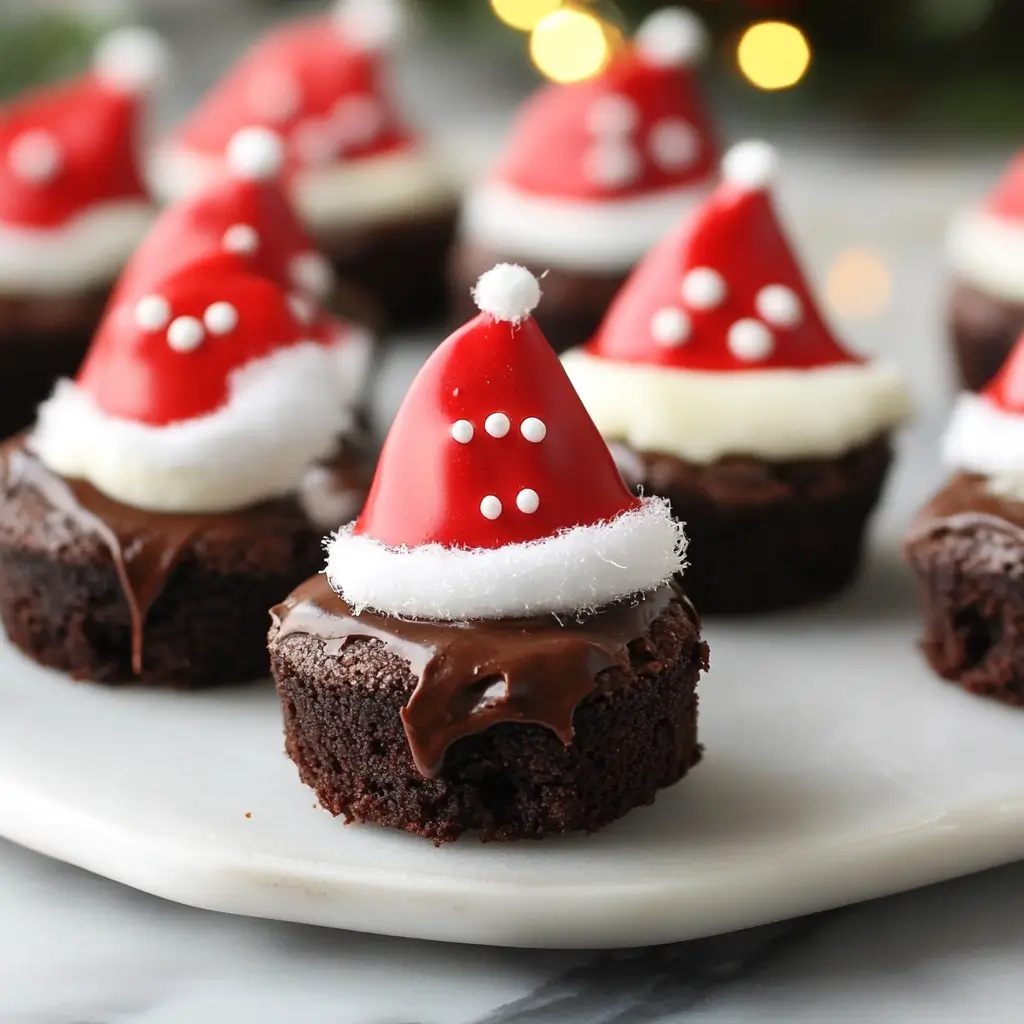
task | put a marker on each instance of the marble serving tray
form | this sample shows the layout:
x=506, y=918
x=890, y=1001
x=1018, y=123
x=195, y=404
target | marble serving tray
x=836, y=769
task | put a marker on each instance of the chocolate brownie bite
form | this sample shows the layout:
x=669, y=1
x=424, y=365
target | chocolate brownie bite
x=499, y=643
x=72, y=207
x=985, y=251
x=380, y=203
x=720, y=387
x=592, y=176
x=967, y=544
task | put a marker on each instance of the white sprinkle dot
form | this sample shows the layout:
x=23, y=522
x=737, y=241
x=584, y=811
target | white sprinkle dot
x=533, y=429
x=703, y=288
x=221, y=318
x=779, y=305
x=490, y=507
x=674, y=144
x=670, y=327
x=528, y=501
x=612, y=164
x=302, y=308
x=613, y=114
x=185, y=334
x=462, y=431
x=35, y=156
x=311, y=272
x=750, y=341
x=241, y=238
x=497, y=424
x=152, y=313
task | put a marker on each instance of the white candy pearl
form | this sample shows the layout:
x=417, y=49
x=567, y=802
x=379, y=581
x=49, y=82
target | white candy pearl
x=490, y=507
x=221, y=318
x=528, y=500
x=533, y=429
x=241, y=238
x=35, y=156
x=750, y=341
x=497, y=424
x=152, y=313
x=670, y=327
x=703, y=288
x=612, y=164
x=674, y=144
x=462, y=431
x=185, y=334
x=779, y=305
x=613, y=114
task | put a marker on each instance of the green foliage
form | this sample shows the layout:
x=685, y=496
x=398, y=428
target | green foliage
x=42, y=48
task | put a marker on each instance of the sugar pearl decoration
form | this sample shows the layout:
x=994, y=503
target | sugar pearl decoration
x=703, y=288
x=528, y=501
x=241, y=238
x=221, y=318
x=311, y=272
x=497, y=424
x=613, y=114
x=490, y=507
x=779, y=305
x=185, y=334
x=302, y=308
x=35, y=157
x=670, y=327
x=152, y=313
x=674, y=144
x=612, y=164
x=750, y=341
x=462, y=431
x=533, y=429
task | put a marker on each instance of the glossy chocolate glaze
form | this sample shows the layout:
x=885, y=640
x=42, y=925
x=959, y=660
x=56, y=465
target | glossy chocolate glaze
x=967, y=500
x=144, y=546
x=471, y=675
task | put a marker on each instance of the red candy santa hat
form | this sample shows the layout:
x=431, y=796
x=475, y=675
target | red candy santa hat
x=594, y=170
x=212, y=392
x=495, y=495
x=321, y=84
x=715, y=345
x=985, y=244
x=72, y=200
x=986, y=432
x=246, y=213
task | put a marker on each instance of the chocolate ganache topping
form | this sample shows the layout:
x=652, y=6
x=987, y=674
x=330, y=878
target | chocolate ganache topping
x=472, y=675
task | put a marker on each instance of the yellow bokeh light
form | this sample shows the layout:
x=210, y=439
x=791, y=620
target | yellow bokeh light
x=524, y=14
x=571, y=44
x=774, y=54
x=859, y=284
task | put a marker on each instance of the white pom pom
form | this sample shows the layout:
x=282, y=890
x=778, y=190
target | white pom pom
x=255, y=153
x=751, y=165
x=130, y=59
x=507, y=292
x=673, y=37
x=371, y=24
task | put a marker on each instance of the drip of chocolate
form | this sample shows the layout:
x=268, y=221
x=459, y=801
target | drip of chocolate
x=472, y=675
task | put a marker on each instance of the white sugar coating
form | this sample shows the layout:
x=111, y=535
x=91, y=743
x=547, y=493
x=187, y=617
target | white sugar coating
x=220, y=318
x=241, y=238
x=779, y=306
x=528, y=501
x=302, y=308
x=490, y=507
x=255, y=153
x=462, y=431
x=674, y=144
x=130, y=59
x=751, y=164
x=507, y=292
x=311, y=272
x=533, y=429
x=497, y=424
x=35, y=156
x=670, y=327
x=612, y=114
x=984, y=438
x=612, y=163
x=703, y=288
x=152, y=313
x=274, y=95
x=750, y=341
x=672, y=36
x=371, y=24
x=185, y=334
x=572, y=570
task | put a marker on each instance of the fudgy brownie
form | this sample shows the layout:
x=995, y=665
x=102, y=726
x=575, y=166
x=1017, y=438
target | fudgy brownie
x=766, y=535
x=116, y=594
x=967, y=548
x=512, y=728
x=984, y=329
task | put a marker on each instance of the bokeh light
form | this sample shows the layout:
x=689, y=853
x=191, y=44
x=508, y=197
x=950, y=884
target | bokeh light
x=859, y=284
x=773, y=54
x=524, y=14
x=572, y=44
